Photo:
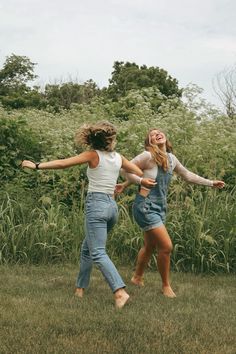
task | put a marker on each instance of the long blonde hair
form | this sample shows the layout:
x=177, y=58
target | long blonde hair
x=98, y=136
x=158, y=155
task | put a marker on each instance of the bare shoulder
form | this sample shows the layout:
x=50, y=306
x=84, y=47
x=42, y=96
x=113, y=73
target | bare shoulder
x=92, y=153
x=93, y=156
x=87, y=156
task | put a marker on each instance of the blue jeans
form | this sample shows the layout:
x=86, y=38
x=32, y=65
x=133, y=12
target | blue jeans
x=101, y=213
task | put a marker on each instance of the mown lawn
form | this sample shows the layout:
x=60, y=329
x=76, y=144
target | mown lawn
x=39, y=314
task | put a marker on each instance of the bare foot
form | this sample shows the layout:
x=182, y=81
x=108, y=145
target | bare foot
x=168, y=292
x=121, y=298
x=137, y=281
x=79, y=292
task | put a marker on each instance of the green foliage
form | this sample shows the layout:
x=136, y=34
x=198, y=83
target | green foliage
x=15, y=93
x=203, y=229
x=129, y=76
x=17, y=71
x=200, y=220
x=62, y=96
x=201, y=225
x=17, y=142
x=18, y=100
x=39, y=232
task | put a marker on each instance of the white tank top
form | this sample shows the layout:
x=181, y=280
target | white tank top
x=103, y=178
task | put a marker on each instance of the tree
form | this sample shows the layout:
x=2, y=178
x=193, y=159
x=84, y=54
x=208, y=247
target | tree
x=64, y=94
x=225, y=87
x=128, y=76
x=16, y=72
x=15, y=92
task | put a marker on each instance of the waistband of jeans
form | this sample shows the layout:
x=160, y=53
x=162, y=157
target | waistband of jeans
x=102, y=194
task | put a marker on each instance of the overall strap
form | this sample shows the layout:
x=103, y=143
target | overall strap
x=170, y=162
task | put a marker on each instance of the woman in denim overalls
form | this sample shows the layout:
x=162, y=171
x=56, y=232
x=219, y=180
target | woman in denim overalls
x=100, y=210
x=149, y=208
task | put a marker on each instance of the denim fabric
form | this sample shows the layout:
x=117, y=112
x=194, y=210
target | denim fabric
x=101, y=213
x=150, y=212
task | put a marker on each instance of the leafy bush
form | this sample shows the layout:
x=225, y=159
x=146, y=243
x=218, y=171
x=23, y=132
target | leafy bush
x=50, y=203
x=17, y=142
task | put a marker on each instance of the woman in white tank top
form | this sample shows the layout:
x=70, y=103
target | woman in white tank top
x=100, y=210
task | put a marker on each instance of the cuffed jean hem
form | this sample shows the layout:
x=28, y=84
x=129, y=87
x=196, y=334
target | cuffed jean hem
x=114, y=287
x=80, y=284
x=118, y=287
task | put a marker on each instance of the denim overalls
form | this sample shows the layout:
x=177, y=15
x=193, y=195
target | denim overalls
x=150, y=211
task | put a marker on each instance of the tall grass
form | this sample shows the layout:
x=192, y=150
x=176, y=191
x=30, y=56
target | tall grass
x=201, y=223
x=203, y=228
x=49, y=233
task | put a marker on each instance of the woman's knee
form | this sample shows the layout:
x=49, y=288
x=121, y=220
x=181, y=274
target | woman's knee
x=166, y=248
x=85, y=253
x=97, y=255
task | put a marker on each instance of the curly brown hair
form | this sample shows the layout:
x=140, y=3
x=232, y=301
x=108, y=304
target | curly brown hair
x=158, y=155
x=98, y=136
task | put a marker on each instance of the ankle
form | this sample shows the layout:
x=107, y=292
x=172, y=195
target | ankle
x=166, y=285
x=137, y=280
x=79, y=292
x=119, y=293
x=138, y=277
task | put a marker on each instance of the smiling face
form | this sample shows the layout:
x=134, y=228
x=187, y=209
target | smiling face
x=157, y=137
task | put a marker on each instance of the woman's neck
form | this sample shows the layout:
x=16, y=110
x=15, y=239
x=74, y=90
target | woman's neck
x=162, y=147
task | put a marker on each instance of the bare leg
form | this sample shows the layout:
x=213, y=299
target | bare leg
x=164, y=247
x=157, y=238
x=143, y=258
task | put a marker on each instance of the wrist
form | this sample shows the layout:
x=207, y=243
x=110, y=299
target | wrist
x=37, y=165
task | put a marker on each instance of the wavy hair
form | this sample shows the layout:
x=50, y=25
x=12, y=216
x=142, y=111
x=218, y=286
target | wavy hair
x=98, y=136
x=158, y=155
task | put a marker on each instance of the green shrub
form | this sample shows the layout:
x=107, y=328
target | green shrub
x=17, y=142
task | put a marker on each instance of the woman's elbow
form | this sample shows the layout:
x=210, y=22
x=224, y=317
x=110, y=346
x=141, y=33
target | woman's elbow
x=140, y=174
x=62, y=165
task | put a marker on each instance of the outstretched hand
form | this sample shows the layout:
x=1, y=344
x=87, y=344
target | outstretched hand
x=28, y=164
x=218, y=184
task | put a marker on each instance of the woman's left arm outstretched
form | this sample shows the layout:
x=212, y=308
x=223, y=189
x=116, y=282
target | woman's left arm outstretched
x=84, y=157
x=193, y=177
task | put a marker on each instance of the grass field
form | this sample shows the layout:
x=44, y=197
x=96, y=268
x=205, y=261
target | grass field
x=39, y=314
